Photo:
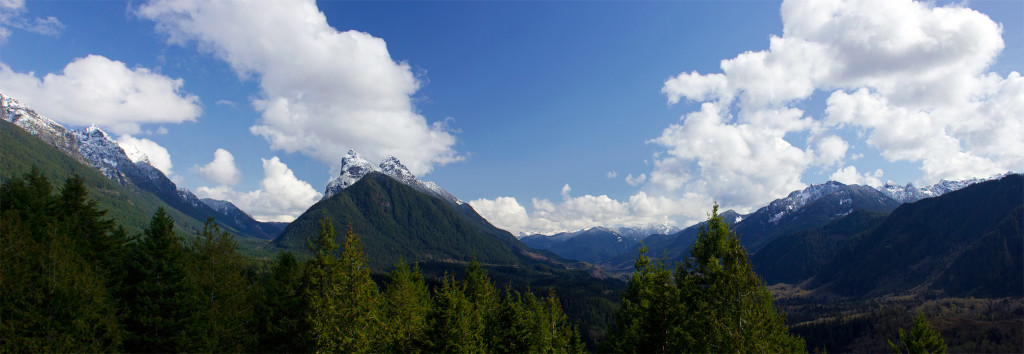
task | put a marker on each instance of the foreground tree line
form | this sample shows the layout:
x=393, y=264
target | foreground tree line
x=74, y=281
x=71, y=280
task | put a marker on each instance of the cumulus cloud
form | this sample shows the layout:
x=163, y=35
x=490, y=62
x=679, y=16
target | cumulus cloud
x=221, y=170
x=740, y=165
x=97, y=90
x=503, y=212
x=323, y=91
x=611, y=174
x=849, y=175
x=636, y=181
x=142, y=149
x=574, y=213
x=281, y=196
x=910, y=76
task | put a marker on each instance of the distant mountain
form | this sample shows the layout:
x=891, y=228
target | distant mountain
x=94, y=147
x=909, y=193
x=811, y=207
x=354, y=167
x=592, y=245
x=266, y=230
x=968, y=242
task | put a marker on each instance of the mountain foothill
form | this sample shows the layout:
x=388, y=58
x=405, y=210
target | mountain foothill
x=846, y=264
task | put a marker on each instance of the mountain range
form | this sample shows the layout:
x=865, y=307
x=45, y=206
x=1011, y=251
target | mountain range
x=805, y=209
x=94, y=147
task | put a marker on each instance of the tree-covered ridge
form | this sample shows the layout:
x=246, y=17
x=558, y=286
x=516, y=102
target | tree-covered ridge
x=74, y=281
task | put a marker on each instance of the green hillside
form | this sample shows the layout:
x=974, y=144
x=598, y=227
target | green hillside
x=129, y=206
x=397, y=222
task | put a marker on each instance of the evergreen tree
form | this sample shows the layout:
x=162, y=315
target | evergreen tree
x=343, y=300
x=727, y=307
x=361, y=318
x=718, y=303
x=921, y=339
x=649, y=313
x=225, y=309
x=157, y=293
x=52, y=299
x=280, y=329
x=407, y=307
x=453, y=325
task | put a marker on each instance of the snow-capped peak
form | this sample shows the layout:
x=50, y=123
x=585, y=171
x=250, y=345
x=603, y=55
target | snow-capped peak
x=798, y=199
x=354, y=167
x=394, y=168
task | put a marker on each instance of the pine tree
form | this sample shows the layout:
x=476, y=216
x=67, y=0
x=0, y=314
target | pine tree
x=361, y=316
x=718, y=304
x=407, y=307
x=344, y=311
x=453, y=325
x=158, y=294
x=921, y=339
x=225, y=309
x=650, y=310
x=52, y=299
x=727, y=307
x=279, y=327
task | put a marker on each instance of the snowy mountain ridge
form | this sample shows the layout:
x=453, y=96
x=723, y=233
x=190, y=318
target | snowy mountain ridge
x=354, y=167
x=92, y=146
x=910, y=193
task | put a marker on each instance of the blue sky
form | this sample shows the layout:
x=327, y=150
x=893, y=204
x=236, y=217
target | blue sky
x=546, y=116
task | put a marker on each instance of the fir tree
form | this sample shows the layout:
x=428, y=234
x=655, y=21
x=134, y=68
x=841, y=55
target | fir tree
x=344, y=313
x=280, y=328
x=727, y=307
x=158, y=294
x=407, y=307
x=225, y=308
x=921, y=339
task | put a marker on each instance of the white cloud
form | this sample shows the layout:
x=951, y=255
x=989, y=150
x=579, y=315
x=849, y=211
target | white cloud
x=611, y=174
x=222, y=169
x=849, y=175
x=503, y=212
x=281, y=196
x=636, y=181
x=910, y=76
x=831, y=150
x=11, y=16
x=583, y=212
x=139, y=149
x=322, y=91
x=739, y=165
x=97, y=90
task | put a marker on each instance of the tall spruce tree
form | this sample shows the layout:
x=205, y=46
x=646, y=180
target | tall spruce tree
x=650, y=311
x=344, y=309
x=727, y=306
x=158, y=295
x=407, y=307
x=280, y=326
x=717, y=304
x=225, y=293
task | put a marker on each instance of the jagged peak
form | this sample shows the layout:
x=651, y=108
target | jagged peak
x=354, y=167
